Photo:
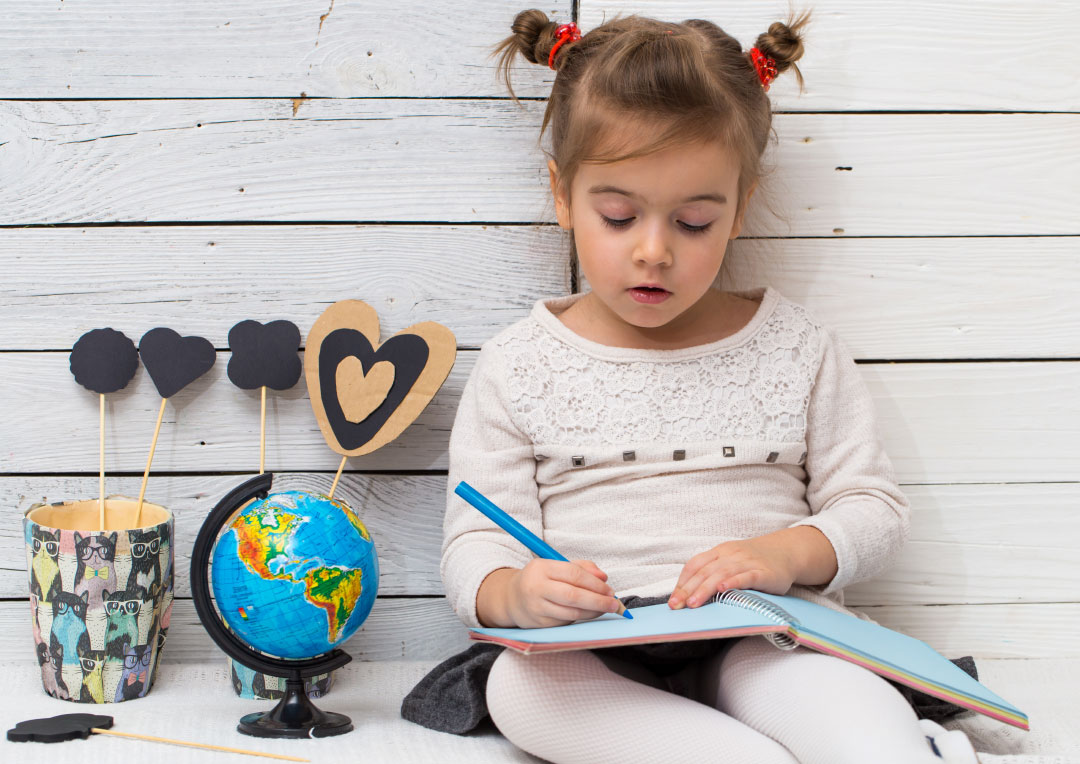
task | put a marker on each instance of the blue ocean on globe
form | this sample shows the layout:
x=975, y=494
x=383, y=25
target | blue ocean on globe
x=294, y=574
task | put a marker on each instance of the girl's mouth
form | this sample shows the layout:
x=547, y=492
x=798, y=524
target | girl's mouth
x=649, y=295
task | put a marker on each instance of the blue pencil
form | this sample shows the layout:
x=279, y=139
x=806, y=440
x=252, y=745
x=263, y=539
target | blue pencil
x=535, y=544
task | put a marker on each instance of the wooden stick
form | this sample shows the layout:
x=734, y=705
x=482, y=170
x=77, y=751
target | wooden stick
x=101, y=460
x=153, y=739
x=262, y=434
x=337, y=477
x=150, y=458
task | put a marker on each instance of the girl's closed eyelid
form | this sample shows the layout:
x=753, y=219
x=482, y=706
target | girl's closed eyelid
x=618, y=224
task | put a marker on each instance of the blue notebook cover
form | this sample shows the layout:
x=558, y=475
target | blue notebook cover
x=897, y=653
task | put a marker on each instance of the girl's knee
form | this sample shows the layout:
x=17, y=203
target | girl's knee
x=518, y=683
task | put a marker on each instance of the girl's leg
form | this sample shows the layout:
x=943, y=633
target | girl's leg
x=823, y=709
x=571, y=707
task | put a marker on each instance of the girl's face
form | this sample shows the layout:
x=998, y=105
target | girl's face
x=651, y=233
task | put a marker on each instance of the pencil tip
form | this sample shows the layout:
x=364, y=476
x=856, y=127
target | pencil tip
x=627, y=614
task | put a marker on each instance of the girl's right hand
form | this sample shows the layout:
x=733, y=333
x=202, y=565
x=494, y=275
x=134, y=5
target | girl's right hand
x=553, y=593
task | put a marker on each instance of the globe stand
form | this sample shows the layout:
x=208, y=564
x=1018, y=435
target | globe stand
x=294, y=715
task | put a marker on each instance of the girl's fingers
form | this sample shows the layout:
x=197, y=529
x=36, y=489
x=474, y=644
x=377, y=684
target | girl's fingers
x=592, y=567
x=689, y=570
x=686, y=591
x=573, y=573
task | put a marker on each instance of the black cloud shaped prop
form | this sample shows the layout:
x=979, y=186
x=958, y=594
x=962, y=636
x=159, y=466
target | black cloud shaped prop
x=58, y=728
x=104, y=360
x=264, y=355
x=174, y=362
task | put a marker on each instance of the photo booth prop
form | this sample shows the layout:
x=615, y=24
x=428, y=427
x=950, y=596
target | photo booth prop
x=103, y=361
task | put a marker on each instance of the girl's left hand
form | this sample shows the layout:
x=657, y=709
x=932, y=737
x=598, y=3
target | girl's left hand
x=761, y=563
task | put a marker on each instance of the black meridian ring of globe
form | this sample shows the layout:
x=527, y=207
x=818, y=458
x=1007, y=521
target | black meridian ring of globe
x=294, y=715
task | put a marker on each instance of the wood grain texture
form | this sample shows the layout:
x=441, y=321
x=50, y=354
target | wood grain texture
x=305, y=49
x=969, y=543
x=219, y=274
x=895, y=298
x=940, y=422
x=899, y=64
x=377, y=160
x=350, y=49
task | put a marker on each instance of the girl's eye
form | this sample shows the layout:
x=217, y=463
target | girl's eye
x=611, y=223
x=614, y=223
x=695, y=228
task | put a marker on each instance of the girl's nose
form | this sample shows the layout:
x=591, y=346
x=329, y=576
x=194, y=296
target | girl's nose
x=652, y=246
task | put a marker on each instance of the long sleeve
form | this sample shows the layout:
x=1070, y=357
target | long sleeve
x=852, y=490
x=491, y=454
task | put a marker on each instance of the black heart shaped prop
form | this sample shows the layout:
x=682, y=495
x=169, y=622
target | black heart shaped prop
x=264, y=355
x=104, y=360
x=58, y=728
x=407, y=352
x=364, y=394
x=174, y=362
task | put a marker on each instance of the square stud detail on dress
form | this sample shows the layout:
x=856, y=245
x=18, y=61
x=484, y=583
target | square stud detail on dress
x=628, y=456
x=679, y=454
x=772, y=457
x=729, y=450
x=577, y=461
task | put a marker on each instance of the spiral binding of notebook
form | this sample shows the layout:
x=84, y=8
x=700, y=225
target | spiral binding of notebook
x=764, y=607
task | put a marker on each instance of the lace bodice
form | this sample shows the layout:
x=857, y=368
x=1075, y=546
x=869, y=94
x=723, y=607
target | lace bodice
x=754, y=384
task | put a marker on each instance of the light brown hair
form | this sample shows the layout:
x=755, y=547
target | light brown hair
x=676, y=82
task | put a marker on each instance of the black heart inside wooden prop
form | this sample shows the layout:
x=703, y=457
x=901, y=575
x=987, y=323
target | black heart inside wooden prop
x=407, y=352
x=58, y=728
x=173, y=362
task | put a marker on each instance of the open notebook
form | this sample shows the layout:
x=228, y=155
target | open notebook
x=787, y=622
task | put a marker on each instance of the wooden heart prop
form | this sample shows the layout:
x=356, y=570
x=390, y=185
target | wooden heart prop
x=174, y=362
x=365, y=394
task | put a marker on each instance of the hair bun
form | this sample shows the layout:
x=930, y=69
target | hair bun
x=783, y=43
x=535, y=35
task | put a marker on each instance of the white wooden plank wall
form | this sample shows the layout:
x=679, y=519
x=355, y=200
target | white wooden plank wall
x=193, y=164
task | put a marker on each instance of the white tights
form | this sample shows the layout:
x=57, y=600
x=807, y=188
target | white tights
x=750, y=704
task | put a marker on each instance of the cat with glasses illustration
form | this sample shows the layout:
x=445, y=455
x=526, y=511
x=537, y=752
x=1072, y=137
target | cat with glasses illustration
x=68, y=633
x=122, y=610
x=92, y=663
x=95, y=571
x=44, y=568
x=51, y=676
x=134, y=682
x=145, y=574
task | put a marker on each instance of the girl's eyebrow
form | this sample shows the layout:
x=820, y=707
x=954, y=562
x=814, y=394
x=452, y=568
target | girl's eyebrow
x=718, y=198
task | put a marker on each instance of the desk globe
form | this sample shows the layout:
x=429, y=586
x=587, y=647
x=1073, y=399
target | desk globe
x=293, y=575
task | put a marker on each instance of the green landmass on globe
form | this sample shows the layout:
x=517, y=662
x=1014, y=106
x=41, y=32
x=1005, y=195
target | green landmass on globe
x=295, y=574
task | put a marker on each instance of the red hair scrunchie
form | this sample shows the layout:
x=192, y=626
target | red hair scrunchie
x=765, y=67
x=564, y=33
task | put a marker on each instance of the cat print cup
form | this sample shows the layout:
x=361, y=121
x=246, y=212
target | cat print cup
x=251, y=684
x=100, y=601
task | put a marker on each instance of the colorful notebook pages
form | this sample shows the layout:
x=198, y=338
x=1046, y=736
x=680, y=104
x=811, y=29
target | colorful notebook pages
x=785, y=621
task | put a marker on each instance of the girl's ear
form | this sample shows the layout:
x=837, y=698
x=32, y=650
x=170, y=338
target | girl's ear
x=562, y=205
x=736, y=227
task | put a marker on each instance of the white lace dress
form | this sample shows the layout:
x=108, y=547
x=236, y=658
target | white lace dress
x=639, y=459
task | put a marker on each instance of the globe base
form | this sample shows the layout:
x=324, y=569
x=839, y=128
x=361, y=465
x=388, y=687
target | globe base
x=295, y=716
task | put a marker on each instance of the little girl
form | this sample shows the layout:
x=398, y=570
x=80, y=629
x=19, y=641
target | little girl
x=672, y=439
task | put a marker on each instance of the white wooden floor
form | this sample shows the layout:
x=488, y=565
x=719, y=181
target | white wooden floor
x=193, y=701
